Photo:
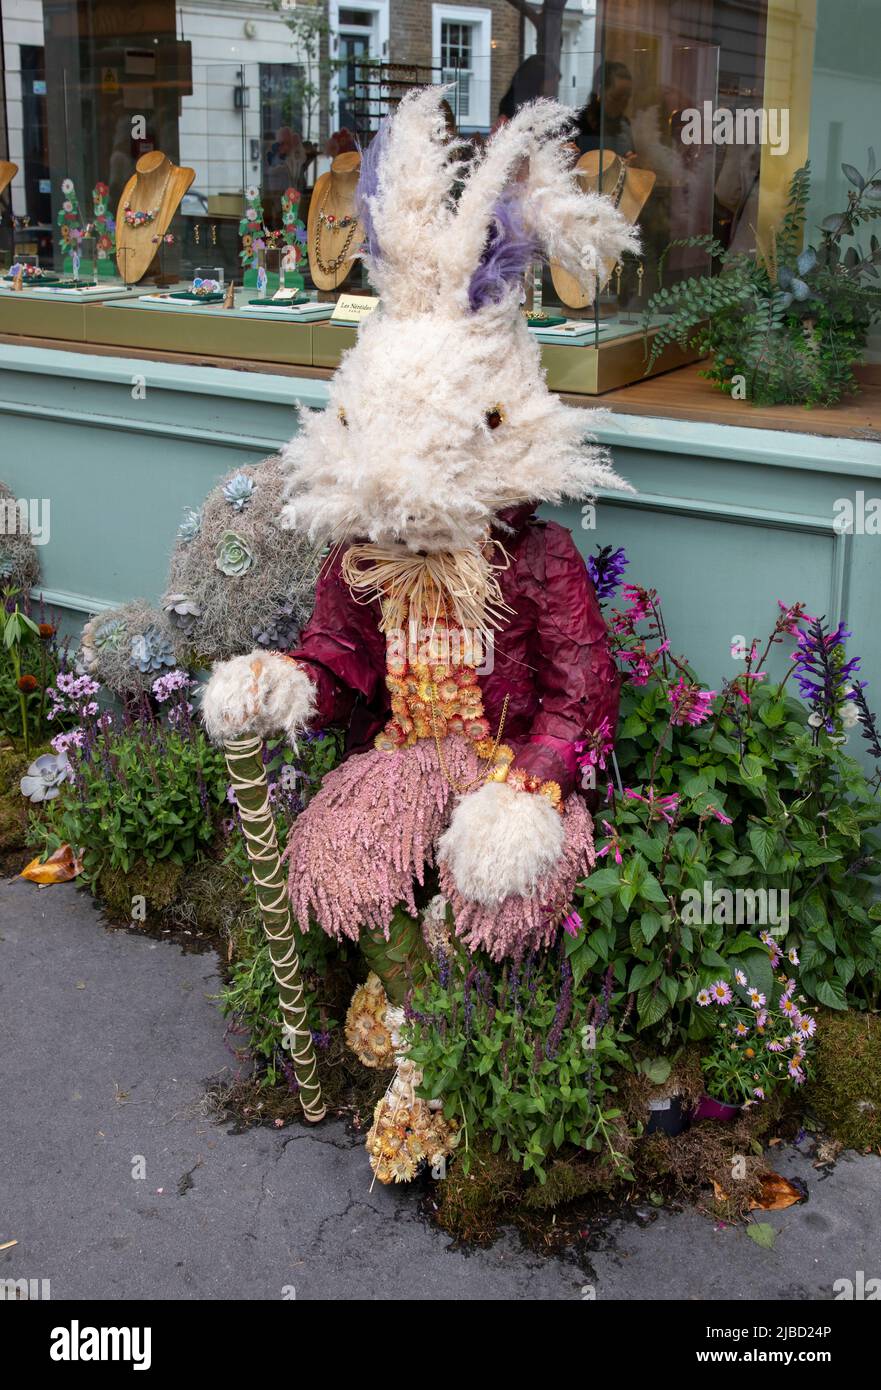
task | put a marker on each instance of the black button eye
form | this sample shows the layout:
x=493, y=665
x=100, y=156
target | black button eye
x=342, y=417
x=495, y=416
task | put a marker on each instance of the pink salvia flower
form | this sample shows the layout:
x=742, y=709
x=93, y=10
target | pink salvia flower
x=691, y=705
x=571, y=924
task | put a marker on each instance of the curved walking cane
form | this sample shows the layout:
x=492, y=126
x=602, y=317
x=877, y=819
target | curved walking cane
x=244, y=759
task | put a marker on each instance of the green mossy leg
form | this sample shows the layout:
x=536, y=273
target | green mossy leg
x=400, y=961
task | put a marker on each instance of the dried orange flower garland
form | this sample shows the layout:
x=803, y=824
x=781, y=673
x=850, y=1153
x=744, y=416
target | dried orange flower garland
x=431, y=699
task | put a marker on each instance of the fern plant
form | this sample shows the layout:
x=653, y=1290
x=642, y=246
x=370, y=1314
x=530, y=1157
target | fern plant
x=786, y=327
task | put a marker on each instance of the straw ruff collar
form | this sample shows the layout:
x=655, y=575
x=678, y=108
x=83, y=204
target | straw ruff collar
x=459, y=588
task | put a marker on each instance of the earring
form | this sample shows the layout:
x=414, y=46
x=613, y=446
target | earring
x=196, y=230
x=640, y=272
x=213, y=235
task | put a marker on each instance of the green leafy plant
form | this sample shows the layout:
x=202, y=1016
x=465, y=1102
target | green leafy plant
x=30, y=659
x=740, y=810
x=144, y=788
x=789, y=325
x=511, y=1053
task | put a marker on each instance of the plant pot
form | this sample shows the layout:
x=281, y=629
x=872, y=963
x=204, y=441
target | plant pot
x=668, y=1116
x=709, y=1109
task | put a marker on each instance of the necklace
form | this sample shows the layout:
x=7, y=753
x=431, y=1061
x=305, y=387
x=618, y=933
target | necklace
x=141, y=216
x=618, y=191
x=337, y=224
x=484, y=776
x=333, y=224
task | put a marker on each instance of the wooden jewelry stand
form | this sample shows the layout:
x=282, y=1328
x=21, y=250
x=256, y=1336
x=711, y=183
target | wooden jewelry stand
x=334, y=195
x=634, y=194
x=8, y=171
x=156, y=186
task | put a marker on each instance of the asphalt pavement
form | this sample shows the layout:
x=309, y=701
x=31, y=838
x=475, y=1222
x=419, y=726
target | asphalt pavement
x=115, y=1183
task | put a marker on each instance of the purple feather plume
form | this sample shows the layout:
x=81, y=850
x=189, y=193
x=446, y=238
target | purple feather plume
x=508, y=251
x=368, y=186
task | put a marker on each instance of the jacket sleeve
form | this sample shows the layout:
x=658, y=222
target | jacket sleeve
x=340, y=648
x=578, y=682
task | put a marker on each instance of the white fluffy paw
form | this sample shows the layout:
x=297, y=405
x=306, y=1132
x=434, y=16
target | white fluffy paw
x=262, y=694
x=501, y=842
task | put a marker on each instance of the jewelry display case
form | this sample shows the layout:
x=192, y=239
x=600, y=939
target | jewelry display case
x=145, y=167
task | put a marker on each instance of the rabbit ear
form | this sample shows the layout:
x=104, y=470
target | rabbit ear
x=505, y=218
x=407, y=174
x=487, y=191
x=584, y=232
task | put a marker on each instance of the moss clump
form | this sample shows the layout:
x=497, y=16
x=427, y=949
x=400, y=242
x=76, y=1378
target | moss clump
x=471, y=1204
x=106, y=647
x=158, y=884
x=845, y=1094
x=568, y=1179
x=14, y=807
x=13, y=823
x=19, y=558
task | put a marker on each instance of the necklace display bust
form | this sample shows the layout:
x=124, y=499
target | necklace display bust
x=146, y=206
x=334, y=232
x=629, y=190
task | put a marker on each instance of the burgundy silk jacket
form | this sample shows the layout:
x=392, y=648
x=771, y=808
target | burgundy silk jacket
x=551, y=657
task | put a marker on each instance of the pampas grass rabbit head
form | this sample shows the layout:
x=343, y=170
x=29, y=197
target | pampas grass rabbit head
x=439, y=417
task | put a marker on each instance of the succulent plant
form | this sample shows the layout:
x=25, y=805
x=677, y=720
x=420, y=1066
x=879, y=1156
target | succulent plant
x=233, y=556
x=111, y=634
x=46, y=776
x=239, y=491
x=282, y=631
x=101, y=635
x=191, y=524
x=152, y=649
x=791, y=281
x=182, y=612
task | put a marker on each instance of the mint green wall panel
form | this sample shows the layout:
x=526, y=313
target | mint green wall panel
x=724, y=520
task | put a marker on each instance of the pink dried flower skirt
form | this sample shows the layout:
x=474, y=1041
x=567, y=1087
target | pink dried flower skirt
x=368, y=836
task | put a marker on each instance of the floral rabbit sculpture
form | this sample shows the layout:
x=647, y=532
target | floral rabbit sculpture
x=456, y=637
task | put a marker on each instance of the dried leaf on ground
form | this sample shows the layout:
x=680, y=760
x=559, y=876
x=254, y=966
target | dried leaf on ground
x=60, y=867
